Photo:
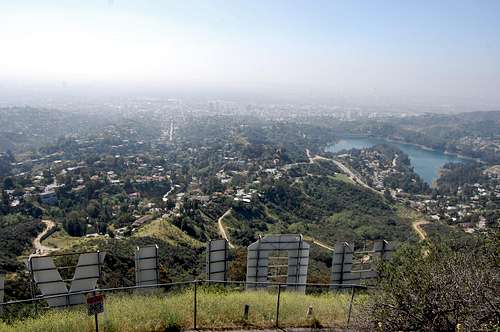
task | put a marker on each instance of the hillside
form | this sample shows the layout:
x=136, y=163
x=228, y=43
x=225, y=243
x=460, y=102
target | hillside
x=24, y=128
x=286, y=192
x=221, y=176
x=316, y=201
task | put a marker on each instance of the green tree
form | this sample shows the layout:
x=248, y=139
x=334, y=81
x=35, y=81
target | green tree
x=8, y=184
x=213, y=185
x=170, y=204
x=75, y=224
x=93, y=209
x=388, y=196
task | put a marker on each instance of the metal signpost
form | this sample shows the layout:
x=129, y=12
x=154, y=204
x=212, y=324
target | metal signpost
x=217, y=260
x=45, y=275
x=87, y=273
x=298, y=260
x=147, y=265
x=341, y=262
x=348, y=270
x=382, y=249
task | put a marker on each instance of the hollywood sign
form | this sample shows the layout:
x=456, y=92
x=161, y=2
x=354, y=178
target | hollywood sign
x=346, y=270
x=47, y=278
x=45, y=275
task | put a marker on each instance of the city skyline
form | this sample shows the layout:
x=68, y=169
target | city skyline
x=388, y=52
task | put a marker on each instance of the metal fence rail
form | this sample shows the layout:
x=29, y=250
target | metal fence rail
x=36, y=301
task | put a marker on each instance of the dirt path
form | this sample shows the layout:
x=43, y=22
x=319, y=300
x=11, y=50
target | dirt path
x=222, y=231
x=318, y=243
x=311, y=159
x=41, y=249
x=419, y=230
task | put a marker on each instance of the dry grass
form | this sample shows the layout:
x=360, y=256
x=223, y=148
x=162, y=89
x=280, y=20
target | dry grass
x=163, y=229
x=62, y=240
x=341, y=177
x=217, y=309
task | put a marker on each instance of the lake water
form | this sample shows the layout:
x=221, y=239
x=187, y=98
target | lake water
x=426, y=163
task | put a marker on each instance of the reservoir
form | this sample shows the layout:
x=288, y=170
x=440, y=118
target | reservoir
x=426, y=163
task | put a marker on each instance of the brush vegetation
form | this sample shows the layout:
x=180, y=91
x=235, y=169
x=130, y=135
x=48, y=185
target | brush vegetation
x=217, y=309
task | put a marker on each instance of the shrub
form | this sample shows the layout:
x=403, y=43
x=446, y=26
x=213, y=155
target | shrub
x=435, y=291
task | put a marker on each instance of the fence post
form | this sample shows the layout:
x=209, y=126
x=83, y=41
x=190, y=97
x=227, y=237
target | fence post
x=246, y=310
x=353, y=289
x=309, y=313
x=195, y=307
x=32, y=287
x=278, y=306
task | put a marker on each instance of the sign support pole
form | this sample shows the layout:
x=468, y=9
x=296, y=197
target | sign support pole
x=278, y=307
x=32, y=287
x=96, y=323
x=96, y=318
x=195, y=305
x=353, y=290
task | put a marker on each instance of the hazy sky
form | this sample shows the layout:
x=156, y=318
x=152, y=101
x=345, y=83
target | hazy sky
x=417, y=51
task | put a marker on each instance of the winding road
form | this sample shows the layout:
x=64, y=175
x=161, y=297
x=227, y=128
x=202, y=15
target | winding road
x=41, y=249
x=222, y=231
x=417, y=227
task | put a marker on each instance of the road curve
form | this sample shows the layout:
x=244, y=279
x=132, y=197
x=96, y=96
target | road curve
x=41, y=249
x=222, y=231
x=417, y=227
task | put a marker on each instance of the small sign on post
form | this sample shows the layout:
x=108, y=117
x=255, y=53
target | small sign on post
x=95, y=306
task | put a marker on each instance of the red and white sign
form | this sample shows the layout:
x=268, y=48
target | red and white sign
x=95, y=304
